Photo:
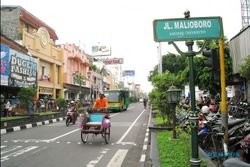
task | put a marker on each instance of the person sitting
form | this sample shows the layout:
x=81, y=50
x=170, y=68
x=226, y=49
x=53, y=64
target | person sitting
x=101, y=102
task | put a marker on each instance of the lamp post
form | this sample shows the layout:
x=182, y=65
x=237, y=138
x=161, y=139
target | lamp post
x=90, y=86
x=173, y=97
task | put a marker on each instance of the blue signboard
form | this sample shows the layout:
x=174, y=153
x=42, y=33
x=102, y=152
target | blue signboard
x=5, y=60
x=23, y=70
x=130, y=73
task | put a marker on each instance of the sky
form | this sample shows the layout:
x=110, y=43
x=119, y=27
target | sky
x=126, y=25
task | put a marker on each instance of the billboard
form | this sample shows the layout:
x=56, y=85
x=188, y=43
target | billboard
x=23, y=70
x=5, y=59
x=130, y=73
x=113, y=61
x=101, y=50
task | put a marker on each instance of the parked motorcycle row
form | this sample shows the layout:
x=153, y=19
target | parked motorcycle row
x=211, y=134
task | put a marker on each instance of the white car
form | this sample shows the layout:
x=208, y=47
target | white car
x=141, y=100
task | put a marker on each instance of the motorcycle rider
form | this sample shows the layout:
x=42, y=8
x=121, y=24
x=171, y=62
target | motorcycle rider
x=73, y=109
x=101, y=102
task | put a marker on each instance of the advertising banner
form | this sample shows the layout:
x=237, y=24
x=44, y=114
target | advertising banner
x=23, y=70
x=5, y=59
x=101, y=50
x=113, y=61
x=130, y=73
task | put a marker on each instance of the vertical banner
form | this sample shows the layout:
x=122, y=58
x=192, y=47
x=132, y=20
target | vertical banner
x=5, y=58
x=23, y=70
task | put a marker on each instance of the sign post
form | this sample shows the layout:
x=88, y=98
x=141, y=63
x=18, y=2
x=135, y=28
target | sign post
x=189, y=29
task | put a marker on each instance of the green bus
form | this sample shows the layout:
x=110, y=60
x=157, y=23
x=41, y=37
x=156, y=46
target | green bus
x=118, y=99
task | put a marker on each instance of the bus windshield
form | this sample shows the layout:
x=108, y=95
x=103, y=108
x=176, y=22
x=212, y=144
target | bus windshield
x=112, y=96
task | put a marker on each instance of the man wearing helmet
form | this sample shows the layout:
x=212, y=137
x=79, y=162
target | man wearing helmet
x=101, y=102
x=74, y=110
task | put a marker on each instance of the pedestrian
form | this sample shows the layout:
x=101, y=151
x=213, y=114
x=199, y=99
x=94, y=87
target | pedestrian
x=145, y=102
x=6, y=107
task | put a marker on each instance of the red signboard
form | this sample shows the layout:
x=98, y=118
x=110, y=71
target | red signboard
x=113, y=61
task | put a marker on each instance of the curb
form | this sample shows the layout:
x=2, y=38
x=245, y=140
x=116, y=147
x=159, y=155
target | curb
x=28, y=126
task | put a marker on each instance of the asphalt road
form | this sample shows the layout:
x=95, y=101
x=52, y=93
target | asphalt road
x=57, y=145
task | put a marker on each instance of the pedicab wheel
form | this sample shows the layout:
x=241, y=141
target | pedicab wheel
x=84, y=137
x=67, y=121
x=107, y=135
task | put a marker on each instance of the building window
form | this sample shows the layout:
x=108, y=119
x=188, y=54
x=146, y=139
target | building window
x=43, y=70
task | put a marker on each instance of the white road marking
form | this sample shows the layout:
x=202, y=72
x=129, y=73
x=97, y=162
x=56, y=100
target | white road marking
x=127, y=143
x=93, y=162
x=50, y=140
x=20, y=152
x=10, y=149
x=131, y=126
x=39, y=150
x=145, y=147
x=143, y=157
x=114, y=114
x=118, y=158
x=3, y=146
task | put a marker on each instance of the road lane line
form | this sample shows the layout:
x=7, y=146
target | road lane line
x=118, y=158
x=131, y=126
x=10, y=149
x=50, y=140
x=15, y=154
x=39, y=150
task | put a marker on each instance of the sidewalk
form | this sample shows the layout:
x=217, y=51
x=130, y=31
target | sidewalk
x=30, y=125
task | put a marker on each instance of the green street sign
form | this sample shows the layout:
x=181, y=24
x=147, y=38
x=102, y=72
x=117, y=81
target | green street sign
x=181, y=29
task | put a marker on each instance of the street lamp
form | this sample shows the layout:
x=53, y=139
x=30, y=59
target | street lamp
x=173, y=97
x=90, y=85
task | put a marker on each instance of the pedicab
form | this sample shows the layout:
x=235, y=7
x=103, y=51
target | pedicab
x=95, y=122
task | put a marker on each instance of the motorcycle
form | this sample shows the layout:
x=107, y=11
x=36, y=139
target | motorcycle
x=70, y=118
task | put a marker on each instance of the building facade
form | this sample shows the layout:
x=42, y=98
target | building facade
x=76, y=73
x=30, y=32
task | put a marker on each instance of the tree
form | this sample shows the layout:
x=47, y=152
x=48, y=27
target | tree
x=25, y=96
x=245, y=69
x=79, y=79
x=158, y=96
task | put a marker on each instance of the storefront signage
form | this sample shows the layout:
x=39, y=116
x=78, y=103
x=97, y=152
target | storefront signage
x=23, y=70
x=113, y=61
x=130, y=73
x=4, y=64
x=101, y=50
x=45, y=90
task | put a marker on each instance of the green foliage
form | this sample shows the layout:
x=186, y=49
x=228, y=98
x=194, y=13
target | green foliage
x=61, y=103
x=25, y=96
x=245, y=68
x=175, y=153
x=173, y=63
x=93, y=67
x=158, y=96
